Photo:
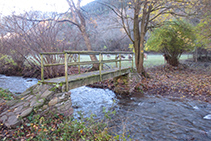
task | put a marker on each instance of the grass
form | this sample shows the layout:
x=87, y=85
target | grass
x=152, y=60
x=155, y=60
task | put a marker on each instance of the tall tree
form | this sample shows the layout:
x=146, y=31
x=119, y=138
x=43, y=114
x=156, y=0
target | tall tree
x=77, y=18
x=145, y=15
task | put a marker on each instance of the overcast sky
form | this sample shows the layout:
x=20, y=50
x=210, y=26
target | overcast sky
x=19, y=6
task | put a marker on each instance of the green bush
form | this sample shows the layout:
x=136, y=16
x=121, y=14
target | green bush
x=172, y=39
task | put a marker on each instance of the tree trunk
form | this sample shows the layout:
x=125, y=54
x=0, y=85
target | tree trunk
x=174, y=62
x=139, y=41
x=195, y=55
x=171, y=60
x=89, y=47
x=136, y=42
x=79, y=21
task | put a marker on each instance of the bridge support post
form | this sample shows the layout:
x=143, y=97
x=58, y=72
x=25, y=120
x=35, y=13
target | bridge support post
x=100, y=66
x=79, y=67
x=42, y=68
x=101, y=61
x=120, y=61
x=116, y=60
x=132, y=60
x=66, y=72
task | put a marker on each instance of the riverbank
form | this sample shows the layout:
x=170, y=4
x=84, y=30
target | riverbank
x=191, y=80
x=188, y=81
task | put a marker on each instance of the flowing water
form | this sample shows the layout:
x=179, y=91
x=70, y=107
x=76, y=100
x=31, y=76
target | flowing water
x=148, y=117
x=142, y=117
x=16, y=84
x=158, y=118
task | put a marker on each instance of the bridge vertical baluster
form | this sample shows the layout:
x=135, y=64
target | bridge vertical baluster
x=101, y=61
x=120, y=61
x=116, y=60
x=100, y=66
x=132, y=60
x=66, y=69
x=42, y=68
x=79, y=67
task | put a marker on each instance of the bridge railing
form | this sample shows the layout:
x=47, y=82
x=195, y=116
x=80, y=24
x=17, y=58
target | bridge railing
x=101, y=61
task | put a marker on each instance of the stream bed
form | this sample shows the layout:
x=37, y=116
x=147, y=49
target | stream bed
x=142, y=117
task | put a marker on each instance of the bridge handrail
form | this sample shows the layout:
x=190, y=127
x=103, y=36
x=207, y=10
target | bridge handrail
x=87, y=52
x=100, y=61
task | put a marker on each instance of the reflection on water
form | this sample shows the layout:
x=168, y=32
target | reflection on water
x=143, y=117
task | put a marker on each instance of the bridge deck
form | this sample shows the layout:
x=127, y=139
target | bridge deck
x=78, y=80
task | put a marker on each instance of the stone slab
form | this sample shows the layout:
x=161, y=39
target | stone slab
x=53, y=101
x=46, y=94
x=13, y=121
x=3, y=118
x=39, y=103
x=26, y=112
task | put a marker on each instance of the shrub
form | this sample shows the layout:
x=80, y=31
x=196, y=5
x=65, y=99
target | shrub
x=172, y=39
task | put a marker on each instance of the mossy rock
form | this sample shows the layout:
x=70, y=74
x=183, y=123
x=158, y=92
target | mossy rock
x=121, y=91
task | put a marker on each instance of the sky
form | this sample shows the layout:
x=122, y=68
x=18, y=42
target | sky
x=20, y=6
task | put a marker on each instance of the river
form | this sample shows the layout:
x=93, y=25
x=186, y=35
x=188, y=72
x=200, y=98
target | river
x=143, y=117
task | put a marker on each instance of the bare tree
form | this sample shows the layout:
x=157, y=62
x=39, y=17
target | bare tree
x=24, y=40
x=145, y=15
x=77, y=18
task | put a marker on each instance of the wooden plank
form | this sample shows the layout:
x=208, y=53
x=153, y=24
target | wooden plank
x=101, y=63
x=86, y=78
x=83, y=52
x=86, y=52
x=51, y=53
x=132, y=60
x=56, y=64
x=116, y=60
x=79, y=67
x=120, y=61
x=87, y=75
x=126, y=60
x=82, y=63
x=66, y=72
x=117, y=52
x=42, y=68
x=96, y=78
x=98, y=52
x=100, y=66
x=109, y=61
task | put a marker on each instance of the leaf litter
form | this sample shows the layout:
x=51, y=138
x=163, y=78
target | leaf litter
x=189, y=80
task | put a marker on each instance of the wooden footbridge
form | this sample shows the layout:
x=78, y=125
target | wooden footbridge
x=74, y=81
